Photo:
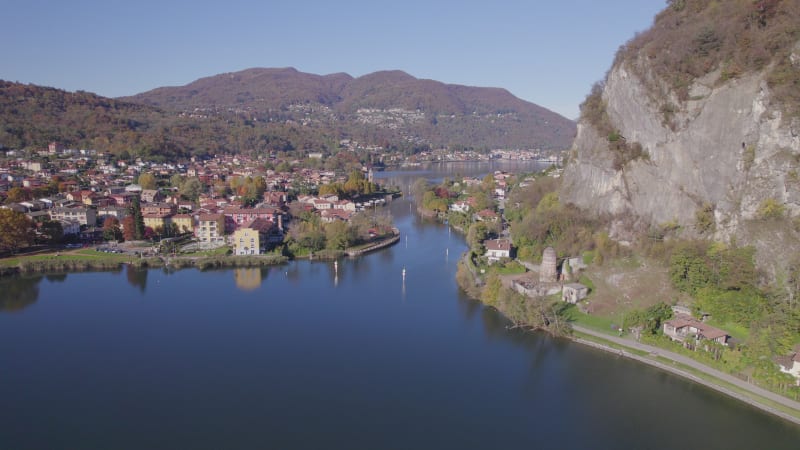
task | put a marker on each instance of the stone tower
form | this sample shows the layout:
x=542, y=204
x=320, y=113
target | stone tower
x=548, y=270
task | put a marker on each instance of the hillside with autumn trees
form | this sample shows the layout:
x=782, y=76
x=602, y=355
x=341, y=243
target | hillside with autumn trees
x=279, y=110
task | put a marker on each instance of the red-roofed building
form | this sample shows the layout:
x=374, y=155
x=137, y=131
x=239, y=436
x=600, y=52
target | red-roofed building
x=682, y=328
x=497, y=249
x=332, y=215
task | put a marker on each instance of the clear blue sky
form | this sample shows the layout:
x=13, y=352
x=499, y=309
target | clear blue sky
x=547, y=52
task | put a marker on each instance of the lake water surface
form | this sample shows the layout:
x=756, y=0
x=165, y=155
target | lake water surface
x=299, y=356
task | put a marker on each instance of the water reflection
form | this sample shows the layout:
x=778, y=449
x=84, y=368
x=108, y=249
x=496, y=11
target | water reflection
x=17, y=293
x=137, y=277
x=469, y=307
x=249, y=278
x=56, y=277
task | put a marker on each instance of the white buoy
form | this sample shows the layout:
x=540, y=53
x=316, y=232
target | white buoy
x=404, y=274
x=336, y=266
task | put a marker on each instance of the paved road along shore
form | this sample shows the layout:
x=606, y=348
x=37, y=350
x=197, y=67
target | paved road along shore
x=655, y=351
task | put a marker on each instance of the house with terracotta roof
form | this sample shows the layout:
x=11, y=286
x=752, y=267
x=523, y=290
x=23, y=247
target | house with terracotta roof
x=683, y=328
x=332, y=215
x=497, y=249
x=252, y=238
x=151, y=196
x=486, y=215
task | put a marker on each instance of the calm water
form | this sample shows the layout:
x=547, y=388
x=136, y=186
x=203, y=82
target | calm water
x=298, y=357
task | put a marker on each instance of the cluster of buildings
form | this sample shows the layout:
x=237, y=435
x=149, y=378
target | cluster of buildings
x=93, y=186
x=555, y=277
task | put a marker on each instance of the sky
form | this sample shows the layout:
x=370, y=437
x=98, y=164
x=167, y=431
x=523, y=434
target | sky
x=546, y=52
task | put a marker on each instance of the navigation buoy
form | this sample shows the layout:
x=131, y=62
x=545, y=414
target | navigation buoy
x=404, y=274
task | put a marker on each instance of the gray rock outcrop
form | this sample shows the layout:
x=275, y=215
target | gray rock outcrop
x=726, y=148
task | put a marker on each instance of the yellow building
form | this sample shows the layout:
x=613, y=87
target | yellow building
x=246, y=241
x=156, y=221
x=184, y=223
x=251, y=238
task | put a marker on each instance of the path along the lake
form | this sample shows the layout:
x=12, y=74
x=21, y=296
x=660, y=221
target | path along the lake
x=655, y=352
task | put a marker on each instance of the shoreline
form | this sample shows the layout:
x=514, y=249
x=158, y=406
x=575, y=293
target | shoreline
x=678, y=368
x=716, y=386
x=58, y=262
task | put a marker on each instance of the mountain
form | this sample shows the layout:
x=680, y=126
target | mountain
x=32, y=116
x=263, y=88
x=383, y=106
x=696, y=126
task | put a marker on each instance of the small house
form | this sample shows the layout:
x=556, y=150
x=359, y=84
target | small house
x=683, y=327
x=574, y=292
x=497, y=249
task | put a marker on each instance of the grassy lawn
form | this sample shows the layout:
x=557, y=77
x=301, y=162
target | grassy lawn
x=510, y=268
x=71, y=255
x=738, y=331
x=597, y=323
x=609, y=344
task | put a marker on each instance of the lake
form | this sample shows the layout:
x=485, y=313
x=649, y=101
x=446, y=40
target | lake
x=305, y=356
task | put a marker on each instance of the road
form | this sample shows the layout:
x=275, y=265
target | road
x=655, y=351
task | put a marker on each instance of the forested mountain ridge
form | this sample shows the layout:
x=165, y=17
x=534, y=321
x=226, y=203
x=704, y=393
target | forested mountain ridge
x=386, y=105
x=33, y=116
x=279, y=110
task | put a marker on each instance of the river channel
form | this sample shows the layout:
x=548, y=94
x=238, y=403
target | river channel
x=307, y=356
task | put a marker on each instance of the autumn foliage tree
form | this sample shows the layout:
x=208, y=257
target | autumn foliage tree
x=128, y=228
x=16, y=230
x=147, y=180
x=111, y=229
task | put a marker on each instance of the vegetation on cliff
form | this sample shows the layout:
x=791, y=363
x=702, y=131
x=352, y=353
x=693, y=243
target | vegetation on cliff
x=691, y=38
x=718, y=281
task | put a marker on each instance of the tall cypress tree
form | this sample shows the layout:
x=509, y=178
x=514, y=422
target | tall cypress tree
x=138, y=221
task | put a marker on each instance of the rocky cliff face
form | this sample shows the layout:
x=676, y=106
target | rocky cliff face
x=725, y=149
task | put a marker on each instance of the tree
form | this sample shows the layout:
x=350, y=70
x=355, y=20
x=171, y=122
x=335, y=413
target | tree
x=331, y=189
x=147, y=180
x=16, y=230
x=135, y=211
x=17, y=194
x=51, y=231
x=129, y=228
x=487, y=183
x=191, y=188
x=111, y=229
x=338, y=235
x=476, y=234
x=176, y=180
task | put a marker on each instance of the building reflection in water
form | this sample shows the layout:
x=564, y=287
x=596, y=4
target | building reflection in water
x=249, y=278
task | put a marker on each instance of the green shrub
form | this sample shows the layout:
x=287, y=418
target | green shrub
x=771, y=209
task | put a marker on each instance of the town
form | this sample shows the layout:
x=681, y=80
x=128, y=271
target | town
x=82, y=197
